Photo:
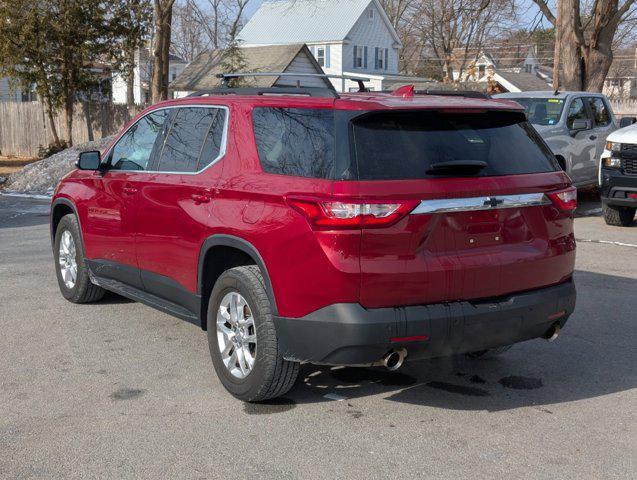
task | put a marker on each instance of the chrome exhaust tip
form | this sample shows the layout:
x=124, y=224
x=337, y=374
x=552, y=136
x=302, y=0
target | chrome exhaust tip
x=394, y=360
x=553, y=332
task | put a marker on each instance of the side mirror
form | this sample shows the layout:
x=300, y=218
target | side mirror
x=89, y=160
x=580, y=124
x=627, y=121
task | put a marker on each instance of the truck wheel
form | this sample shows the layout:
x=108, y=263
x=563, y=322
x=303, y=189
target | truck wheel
x=70, y=265
x=242, y=338
x=489, y=353
x=618, y=216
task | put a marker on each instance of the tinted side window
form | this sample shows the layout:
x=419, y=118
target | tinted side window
x=133, y=150
x=600, y=112
x=184, y=147
x=577, y=111
x=295, y=141
x=213, y=144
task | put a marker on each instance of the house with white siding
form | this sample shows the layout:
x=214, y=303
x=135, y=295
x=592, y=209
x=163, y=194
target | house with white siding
x=346, y=37
x=14, y=93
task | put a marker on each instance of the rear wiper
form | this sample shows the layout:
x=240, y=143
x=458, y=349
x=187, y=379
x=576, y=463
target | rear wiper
x=440, y=168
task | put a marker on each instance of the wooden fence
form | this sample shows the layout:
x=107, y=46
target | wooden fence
x=625, y=108
x=24, y=126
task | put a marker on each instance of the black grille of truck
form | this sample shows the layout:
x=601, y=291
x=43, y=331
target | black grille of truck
x=629, y=158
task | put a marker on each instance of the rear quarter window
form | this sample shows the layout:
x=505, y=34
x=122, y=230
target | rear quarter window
x=405, y=145
x=295, y=141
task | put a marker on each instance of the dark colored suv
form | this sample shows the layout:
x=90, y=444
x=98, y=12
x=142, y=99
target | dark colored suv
x=305, y=226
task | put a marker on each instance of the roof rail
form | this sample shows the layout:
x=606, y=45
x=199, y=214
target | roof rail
x=226, y=77
x=303, y=91
x=454, y=93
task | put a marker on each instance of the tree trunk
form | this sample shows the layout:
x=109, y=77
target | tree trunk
x=130, y=81
x=571, y=54
x=165, y=71
x=161, y=44
x=68, y=119
x=54, y=130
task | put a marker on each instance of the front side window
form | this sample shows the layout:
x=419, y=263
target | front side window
x=295, y=141
x=600, y=112
x=134, y=149
x=576, y=111
x=194, y=139
x=408, y=145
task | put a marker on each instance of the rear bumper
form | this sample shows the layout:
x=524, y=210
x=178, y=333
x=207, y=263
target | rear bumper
x=348, y=334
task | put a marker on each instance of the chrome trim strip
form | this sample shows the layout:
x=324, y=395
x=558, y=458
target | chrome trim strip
x=222, y=151
x=468, y=204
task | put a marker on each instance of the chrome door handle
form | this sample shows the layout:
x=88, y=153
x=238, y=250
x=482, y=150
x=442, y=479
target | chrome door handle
x=129, y=190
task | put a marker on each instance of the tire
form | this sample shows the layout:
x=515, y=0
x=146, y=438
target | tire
x=270, y=375
x=618, y=216
x=489, y=353
x=82, y=290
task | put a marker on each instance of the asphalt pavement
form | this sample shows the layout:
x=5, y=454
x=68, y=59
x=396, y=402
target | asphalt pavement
x=119, y=390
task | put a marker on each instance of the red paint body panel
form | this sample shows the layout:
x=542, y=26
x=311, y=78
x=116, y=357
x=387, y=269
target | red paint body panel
x=161, y=226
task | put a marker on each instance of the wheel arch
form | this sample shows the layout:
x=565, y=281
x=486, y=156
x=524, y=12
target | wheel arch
x=219, y=253
x=59, y=208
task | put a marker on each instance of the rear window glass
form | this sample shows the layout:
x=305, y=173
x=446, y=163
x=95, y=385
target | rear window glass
x=295, y=141
x=407, y=145
x=542, y=111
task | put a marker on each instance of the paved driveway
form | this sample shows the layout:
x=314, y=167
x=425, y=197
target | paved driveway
x=118, y=390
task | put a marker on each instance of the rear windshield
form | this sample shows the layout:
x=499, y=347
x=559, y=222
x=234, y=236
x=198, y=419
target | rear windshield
x=542, y=111
x=405, y=145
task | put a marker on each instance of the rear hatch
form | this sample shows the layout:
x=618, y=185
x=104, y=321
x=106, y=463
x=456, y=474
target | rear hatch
x=482, y=208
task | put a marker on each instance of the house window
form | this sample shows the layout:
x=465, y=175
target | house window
x=320, y=56
x=482, y=69
x=381, y=58
x=370, y=13
x=173, y=74
x=358, y=57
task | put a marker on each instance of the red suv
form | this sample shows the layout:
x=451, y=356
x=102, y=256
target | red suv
x=305, y=226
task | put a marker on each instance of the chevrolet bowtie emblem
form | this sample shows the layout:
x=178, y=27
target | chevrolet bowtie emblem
x=492, y=202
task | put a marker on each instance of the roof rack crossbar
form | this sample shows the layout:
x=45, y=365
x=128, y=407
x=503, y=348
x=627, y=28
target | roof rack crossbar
x=226, y=77
x=454, y=93
x=301, y=91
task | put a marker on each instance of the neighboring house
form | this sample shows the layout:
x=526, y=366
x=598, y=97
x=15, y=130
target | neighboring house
x=201, y=73
x=14, y=93
x=141, y=74
x=506, y=71
x=621, y=81
x=351, y=37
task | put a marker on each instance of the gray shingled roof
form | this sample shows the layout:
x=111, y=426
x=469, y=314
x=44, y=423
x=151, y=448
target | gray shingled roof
x=201, y=73
x=307, y=21
x=524, y=81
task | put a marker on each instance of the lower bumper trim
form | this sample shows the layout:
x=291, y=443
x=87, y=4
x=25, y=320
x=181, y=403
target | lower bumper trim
x=348, y=334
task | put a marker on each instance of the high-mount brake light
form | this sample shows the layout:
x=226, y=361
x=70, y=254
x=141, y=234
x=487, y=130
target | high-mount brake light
x=351, y=214
x=565, y=200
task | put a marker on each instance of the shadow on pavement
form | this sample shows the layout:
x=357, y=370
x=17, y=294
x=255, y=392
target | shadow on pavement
x=595, y=356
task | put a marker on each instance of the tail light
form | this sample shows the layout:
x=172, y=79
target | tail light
x=565, y=200
x=354, y=214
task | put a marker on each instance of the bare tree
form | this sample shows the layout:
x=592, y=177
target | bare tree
x=191, y=30
x=455, y=31
x=585, y=41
